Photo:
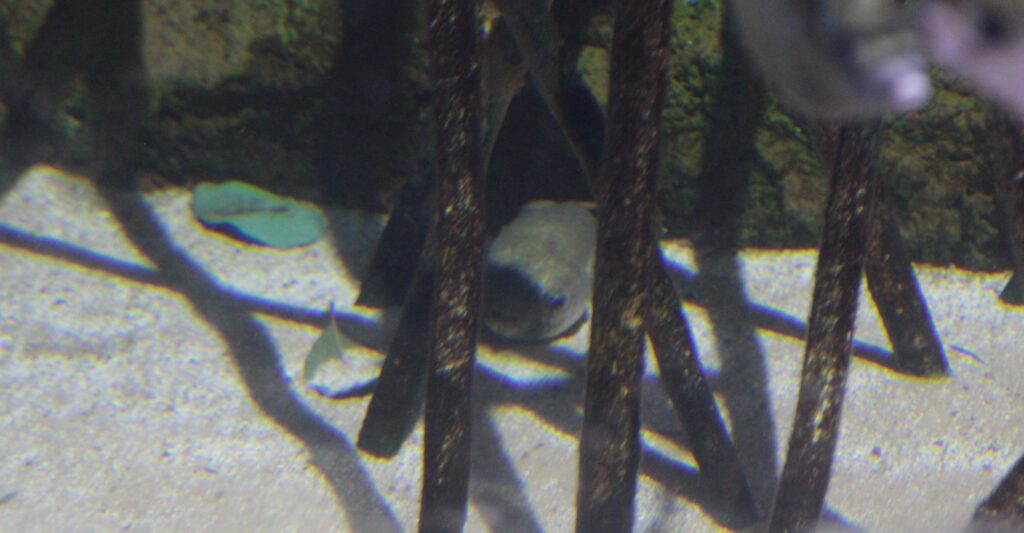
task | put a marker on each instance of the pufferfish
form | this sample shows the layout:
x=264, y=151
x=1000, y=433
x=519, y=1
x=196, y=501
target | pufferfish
x=539, y=272
x=982, y=41
x=835, y=59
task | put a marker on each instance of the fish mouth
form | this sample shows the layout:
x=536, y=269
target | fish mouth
x=511, y=304
x=518, y=310
x=890, y=62
x=906, y=82
x=519, y=331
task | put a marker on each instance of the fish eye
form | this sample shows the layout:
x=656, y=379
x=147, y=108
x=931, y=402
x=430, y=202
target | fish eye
x=557, y=302
x=992, y=28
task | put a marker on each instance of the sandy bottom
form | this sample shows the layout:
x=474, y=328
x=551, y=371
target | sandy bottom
x=150, y=381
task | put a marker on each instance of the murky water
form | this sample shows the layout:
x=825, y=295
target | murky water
x=152, y=366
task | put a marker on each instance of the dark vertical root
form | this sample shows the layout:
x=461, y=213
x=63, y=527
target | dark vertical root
x=609, y=445
x=538, y=39
x=1003, y=510
x=804, y=482
x=396, y=257
x=454, y=67
x=117, y=82
x=582, y=120
x=894, y=288
x=398, y=397
x=691, y=397
x=92, y=38
x=1009, y=198
x=372, y=118
x=400, y=263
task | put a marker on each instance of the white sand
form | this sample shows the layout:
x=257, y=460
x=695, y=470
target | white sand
x=122, y=406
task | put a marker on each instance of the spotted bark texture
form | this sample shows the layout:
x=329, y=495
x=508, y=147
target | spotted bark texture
x=454, y=68
x=1003, y=510
x=893, y=285
x=609, y=445
x=692, y=399
x=852, y=151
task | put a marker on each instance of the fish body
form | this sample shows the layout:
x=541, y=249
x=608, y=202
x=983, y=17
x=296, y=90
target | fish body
x=835, y=59
x=981, y=41
x=539, y=272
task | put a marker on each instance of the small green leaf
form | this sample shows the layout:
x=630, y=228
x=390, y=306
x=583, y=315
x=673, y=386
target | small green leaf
x=331, y=345
x=257, y=215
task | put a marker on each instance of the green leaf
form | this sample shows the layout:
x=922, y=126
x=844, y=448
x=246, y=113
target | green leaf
x=329, y=346
x=257, y=215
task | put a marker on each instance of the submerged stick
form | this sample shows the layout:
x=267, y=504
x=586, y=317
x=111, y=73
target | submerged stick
x=610, y=444
x=1003, y=510
x=397, y=254
x=76, y=38
x=396, y=257
x=893, y=285
x=565, y=94
x=1009, y=198
x=581, y=120
x=398, y=396
x=691, y=396
x=805, y=476
x=398, y=264
x=454, y=69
